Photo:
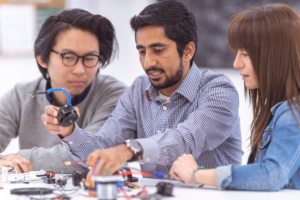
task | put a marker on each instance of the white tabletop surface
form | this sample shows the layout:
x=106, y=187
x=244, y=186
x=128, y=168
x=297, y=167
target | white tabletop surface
x=180, y=191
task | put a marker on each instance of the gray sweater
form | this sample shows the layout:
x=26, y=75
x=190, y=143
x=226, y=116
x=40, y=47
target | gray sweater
x=20, y=115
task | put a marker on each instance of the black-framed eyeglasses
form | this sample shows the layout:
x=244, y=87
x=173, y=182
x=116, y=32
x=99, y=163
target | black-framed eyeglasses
x=71, y=59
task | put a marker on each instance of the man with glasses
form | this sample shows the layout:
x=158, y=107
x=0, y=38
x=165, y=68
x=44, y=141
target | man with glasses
x=174, y=109
x=70, y=49
x=70, y=59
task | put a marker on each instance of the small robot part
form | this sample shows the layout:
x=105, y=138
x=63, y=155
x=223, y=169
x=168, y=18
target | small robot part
x=165, y=188
x=127, y=176
x=78, y=176
x=107, y=186
x=67, y=115
x=9, y=175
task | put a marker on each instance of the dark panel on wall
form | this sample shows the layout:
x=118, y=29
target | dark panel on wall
x=213, y=18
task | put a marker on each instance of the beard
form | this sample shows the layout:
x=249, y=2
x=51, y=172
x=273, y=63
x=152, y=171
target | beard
x=170, y=80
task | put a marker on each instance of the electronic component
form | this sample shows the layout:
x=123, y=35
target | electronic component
x=78, y=176
x=126, y=174
x=9, y=175
x=67, y=115
x=49, y=180
x=61, y=181
x=165, y=188
x=107, y=186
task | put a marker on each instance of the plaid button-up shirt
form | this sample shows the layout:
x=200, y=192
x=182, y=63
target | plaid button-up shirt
x=201, y=119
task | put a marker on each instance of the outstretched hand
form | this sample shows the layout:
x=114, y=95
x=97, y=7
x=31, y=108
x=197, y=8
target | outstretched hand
x=52, y=124
x=112, y=159
x=20, y=164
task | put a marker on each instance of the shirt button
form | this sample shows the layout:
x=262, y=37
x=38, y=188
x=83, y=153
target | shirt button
x=166, y=176
x=148, y=159
x=70, y=142
x=165, y=108
x=159, y=131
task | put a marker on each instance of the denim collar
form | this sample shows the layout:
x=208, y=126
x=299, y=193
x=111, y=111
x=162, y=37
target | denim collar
x=274, y=108
x=76, y=100
x=188, y=87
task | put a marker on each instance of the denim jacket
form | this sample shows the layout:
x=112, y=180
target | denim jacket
x=277, y=162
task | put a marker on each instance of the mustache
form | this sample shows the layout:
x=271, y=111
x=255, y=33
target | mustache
x=154, y=69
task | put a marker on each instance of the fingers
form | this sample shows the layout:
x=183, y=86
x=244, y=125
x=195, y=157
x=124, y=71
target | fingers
x=109, y=162
x=23, y=164
x=178, y=178
x=174, y=174
x=77, y=110
x=52, y=124
x=20, y=164
x=58, y=129
x=51, y=112
x=15, y=166
x=4, y=157
x=93, y=158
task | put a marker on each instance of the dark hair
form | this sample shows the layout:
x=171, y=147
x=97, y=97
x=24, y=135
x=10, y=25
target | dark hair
x=177, y=20
x=270, y=36
x=81, y=19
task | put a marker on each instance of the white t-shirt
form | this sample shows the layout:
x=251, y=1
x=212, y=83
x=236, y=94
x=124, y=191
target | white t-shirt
x=163, y=97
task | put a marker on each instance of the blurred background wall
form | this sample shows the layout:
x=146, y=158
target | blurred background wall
x=213, y=18
x=20, y=21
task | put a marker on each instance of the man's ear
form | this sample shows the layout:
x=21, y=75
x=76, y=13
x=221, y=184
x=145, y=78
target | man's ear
x=44, y=65
x=189, y=51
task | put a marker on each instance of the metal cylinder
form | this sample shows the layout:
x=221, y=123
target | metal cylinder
x=107, y=187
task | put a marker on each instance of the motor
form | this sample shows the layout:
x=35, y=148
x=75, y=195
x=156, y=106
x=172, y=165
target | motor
x=67, y=115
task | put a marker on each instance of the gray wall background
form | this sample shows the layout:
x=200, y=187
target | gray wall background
x=213, y=18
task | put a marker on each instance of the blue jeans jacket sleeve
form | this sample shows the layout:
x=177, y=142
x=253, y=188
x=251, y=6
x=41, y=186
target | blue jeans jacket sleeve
x=279, y=164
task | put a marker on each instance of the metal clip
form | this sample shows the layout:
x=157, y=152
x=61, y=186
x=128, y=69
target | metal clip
x=34, y=94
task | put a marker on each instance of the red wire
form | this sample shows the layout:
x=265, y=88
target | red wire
x=130, y=183
x=125, y=193
x=77, y=161
x=129, y=173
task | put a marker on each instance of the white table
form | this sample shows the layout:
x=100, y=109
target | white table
x=180, y=192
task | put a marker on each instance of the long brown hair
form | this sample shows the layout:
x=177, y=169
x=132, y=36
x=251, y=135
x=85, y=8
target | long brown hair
x=271, y=36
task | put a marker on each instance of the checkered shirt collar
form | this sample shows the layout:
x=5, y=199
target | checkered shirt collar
x=188, y=88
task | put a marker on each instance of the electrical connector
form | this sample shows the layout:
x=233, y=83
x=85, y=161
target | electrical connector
x=158, y=175
x=68, y=163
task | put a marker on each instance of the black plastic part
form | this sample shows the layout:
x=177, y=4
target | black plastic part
x=127, y=177
x=165, y=188
x=67, y=116
x=31, y=191
x=134, y=179
x=61, y=182
x=78, y=175
x=49, y=180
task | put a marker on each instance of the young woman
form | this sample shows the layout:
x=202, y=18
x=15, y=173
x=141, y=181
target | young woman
x=267, y=42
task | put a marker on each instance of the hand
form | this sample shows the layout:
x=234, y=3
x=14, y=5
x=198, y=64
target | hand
x=5, y=157
x=20, y=164
x=52, y=124
x=183, y=167
x=112, y=159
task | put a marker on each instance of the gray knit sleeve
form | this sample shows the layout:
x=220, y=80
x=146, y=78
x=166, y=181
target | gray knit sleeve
x=10, y=112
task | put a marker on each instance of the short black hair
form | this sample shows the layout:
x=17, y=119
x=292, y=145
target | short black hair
x=178, y=22
x=80, y=19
